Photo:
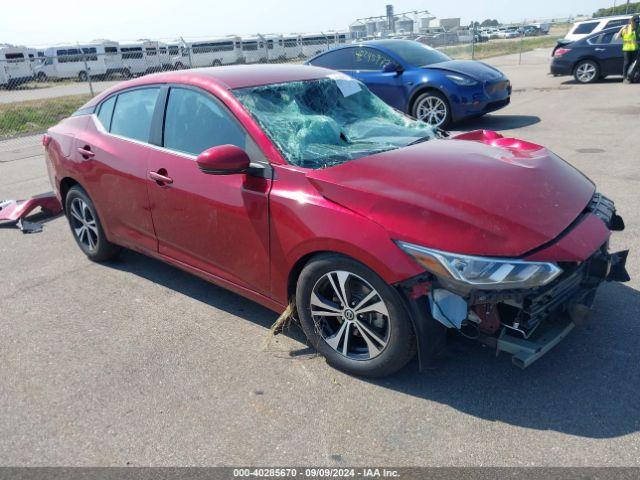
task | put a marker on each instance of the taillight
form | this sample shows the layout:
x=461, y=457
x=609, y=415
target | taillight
x=46, y=140
x=561, y=51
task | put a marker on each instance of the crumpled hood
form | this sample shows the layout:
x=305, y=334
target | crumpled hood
x=478, y=194
x=477, y=70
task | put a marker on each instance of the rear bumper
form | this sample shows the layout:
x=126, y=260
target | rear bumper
x=560, y=68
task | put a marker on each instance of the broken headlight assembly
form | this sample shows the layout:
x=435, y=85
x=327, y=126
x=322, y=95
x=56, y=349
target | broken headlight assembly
x=484, y=273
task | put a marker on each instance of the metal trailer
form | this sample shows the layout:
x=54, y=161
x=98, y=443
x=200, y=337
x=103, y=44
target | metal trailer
x=275, y=47
x=164, y=57
x=254, y=49
x=112, y=57
x=140, y=57
x=178, y=55
x=291, y=45
x=312, y=44
x=15, y=65
x=213, y=52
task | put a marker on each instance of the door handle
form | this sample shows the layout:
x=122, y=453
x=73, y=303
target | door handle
x=160, y=178
x=86, y=152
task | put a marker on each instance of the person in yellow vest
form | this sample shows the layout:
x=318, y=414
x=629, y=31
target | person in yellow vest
x=630, y=34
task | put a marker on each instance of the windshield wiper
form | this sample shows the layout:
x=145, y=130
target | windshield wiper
x=426, y=138
x=439, y=133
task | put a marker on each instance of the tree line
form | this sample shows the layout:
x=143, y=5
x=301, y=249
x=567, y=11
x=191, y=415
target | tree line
x=619, y=10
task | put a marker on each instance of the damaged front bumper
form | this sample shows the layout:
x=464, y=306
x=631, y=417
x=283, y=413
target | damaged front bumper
x=526, y=323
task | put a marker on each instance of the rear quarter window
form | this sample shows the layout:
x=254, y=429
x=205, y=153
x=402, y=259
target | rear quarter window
x=133, y=113
x=585, y=28
x=105, y=113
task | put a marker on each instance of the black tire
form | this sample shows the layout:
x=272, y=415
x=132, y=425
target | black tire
x=180, y=66
x=586, y=71
x=216, y=63
x=436, y=97
x=82, y=76
x=126, y=73
x=102, y=250
x=41, y=77
x=400, y=345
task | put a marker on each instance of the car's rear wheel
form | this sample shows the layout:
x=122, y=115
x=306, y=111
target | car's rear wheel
x=353, y=317
x=586, y=71
x=86, y=227
x=82, y=76
x=433, y=108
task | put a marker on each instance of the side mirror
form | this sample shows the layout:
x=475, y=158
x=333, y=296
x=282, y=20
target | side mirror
x=392, y=67
x=223, y=160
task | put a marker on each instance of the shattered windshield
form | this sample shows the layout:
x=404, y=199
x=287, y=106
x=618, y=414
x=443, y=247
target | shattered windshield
x=325, y=122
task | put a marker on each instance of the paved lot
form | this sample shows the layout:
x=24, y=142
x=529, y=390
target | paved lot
x=138, y=363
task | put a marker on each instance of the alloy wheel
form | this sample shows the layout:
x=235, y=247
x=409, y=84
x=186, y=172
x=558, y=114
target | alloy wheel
x=586, y=72
x=84, y=224
x=432, y=110
x=350, y=315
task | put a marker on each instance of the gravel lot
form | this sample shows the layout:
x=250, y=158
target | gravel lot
x=137, y=363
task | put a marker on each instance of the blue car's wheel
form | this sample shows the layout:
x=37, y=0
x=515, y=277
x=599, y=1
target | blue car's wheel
x=433, y=108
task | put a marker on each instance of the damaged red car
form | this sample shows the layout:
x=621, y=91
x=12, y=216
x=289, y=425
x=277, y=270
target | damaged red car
x=295, y=185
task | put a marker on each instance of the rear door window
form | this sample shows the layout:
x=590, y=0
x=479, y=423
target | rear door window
x=133, y=113
x=106, y=112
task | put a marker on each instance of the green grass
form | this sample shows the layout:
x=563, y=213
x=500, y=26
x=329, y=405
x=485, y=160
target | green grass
x=496, y=48
x=33, y=116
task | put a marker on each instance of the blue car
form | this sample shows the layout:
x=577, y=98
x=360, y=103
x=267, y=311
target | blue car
x=420, y=80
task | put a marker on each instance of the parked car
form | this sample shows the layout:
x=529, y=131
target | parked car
x=585, y=28
x=590, y=59
x=291, y=184
x=421, y=81
x=508, y=32
x=530, y=31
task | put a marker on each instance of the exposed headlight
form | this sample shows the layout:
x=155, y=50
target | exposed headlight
x=483, y=273
x=462, y=81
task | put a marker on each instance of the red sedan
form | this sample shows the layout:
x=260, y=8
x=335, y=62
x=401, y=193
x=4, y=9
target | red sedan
x=295, y=185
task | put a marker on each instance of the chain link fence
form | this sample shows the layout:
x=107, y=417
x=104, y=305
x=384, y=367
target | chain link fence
x=39, y=87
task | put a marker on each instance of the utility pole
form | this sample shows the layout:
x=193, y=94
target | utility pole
x=627, y=9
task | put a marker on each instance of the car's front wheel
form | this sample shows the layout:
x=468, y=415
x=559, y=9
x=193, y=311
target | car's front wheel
x=587, y=71
x=86, y=227
x=353, y=317
x=433, y=108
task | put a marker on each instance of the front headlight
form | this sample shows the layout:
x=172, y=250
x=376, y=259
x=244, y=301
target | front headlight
x=483, y=273
x=462, y=81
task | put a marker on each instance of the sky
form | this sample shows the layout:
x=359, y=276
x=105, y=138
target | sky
x=41, y=23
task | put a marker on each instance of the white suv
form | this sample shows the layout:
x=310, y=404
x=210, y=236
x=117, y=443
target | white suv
x=587, y=27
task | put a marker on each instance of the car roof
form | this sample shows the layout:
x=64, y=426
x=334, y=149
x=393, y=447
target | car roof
x=604, y=19
x=387, y=43
x=227, y=77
